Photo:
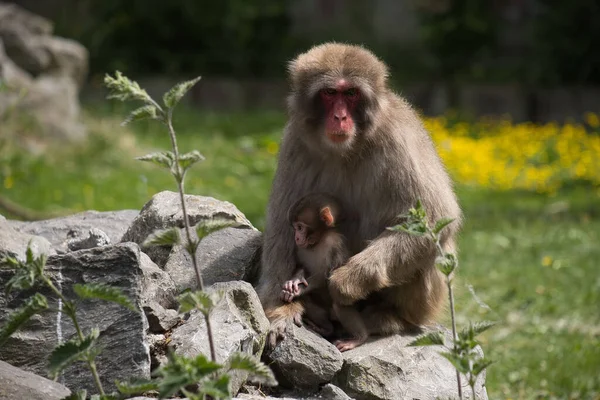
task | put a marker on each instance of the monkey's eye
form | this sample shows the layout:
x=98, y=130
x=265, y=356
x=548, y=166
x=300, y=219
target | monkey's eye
x=329, y=92
x=352, y=92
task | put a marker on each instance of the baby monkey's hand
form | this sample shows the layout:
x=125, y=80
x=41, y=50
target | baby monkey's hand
x=293, y=288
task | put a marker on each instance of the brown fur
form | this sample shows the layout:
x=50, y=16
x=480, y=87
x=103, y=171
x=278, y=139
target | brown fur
x=390, y=164
x=322, y=213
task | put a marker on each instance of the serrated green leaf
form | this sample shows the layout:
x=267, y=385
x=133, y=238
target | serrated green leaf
x=180, y=372
x=206, y=227
x=26, y=274
x=122, y=88
x=413, y=229
x=188, y=159
x=480, y=327
x=173, y=96
x=480, y=365
x=103, y=292
x=79, y=395
x=217, y=388
x=460, y=364
x=29, y=254
x=189, y=301
x=32, y=306
x=441, y=224
x=8, y=262
x=70, y=352
x=146, y=112
x=428, y=339
x=164, y=159
x=446, y=263
x=258, y=371
x=163, y=237
x=136, y=387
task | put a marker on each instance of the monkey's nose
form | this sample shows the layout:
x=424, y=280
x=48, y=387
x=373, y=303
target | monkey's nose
x=340, y=117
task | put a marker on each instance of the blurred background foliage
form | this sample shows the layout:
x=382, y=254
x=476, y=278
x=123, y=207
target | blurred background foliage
x=537, y=41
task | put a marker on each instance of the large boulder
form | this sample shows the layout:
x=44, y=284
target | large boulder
x=386, y=369
x=16, y=383
x=238, y=325
x=48, y=70
x=304, y=360
x=230, y=254
x=225, y=255
x=125, y=352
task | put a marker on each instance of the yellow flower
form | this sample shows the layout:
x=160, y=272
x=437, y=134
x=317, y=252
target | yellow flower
x=8, y=182
x=527, y=156
x=547, y=261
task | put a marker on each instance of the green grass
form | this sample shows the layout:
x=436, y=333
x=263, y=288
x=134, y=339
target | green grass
x=532, y=259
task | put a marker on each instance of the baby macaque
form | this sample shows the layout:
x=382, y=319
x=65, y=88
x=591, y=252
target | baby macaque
x=320, y=249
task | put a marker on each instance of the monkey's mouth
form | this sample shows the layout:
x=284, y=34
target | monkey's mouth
x=338, y=136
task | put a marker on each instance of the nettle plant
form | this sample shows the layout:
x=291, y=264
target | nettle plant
x=462, y=352
x=196, y=378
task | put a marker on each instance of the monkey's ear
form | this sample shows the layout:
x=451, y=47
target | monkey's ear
x=327, y=217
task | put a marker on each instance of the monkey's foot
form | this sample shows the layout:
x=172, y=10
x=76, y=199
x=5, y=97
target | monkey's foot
x=279, y=327
x=348, y=344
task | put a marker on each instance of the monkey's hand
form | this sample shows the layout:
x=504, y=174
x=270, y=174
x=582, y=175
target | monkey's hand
x=292, y=289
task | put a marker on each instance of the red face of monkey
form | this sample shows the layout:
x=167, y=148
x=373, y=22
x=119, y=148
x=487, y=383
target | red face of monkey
x=340, y=104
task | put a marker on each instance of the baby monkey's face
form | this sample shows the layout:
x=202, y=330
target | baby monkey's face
x=306, y=235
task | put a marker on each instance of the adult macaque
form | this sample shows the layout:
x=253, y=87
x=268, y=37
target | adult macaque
x=349, y=135
x=320, y=249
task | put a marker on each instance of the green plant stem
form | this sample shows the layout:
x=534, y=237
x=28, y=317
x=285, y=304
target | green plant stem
x=440, y=252
x=180, y=185
x=72, y=314
x=454, y=334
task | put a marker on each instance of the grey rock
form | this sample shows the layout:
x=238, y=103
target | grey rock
x=304, y=360
x=14, y=244
x=53, y=102
x=22, y=48
x=227, y=255
x=238, y=325
x=385, y=368
x=327, y=392
x=164, y=211
x=59, y=230
x=96, y=238
x=125, y=351
x=67, y=58
x=11, y=13
x=16, y=383
x=13, y=76
x=332, y=392
x=158, y=296
x=49, y=70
